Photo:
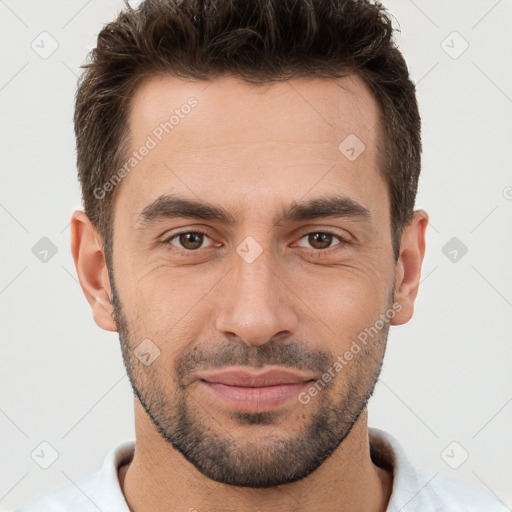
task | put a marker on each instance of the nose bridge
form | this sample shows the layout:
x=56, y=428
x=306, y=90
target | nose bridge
x=254, y=281
x=255, y=305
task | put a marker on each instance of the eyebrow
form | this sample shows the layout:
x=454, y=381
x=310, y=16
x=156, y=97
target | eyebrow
x=169, y=206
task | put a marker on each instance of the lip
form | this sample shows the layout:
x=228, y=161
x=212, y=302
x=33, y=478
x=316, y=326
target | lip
x=254, y=392
x=243, y=378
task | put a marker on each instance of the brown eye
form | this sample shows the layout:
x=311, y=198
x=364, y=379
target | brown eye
x=189, y=240
x=322, y=243
x=320, y=240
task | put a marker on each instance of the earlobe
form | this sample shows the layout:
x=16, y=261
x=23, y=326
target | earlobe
x=408, y=267
x=91, y=268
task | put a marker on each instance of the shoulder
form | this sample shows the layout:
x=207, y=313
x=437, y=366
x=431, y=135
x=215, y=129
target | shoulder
x=68, y=497
x=417, y=490
x=97, y=491
x=440, y=493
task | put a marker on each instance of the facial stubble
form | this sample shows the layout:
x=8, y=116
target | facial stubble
x=204, y=438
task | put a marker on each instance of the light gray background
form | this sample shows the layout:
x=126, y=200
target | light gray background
x=447, y=374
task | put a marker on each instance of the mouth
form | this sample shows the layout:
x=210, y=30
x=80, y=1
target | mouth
x=254, y=392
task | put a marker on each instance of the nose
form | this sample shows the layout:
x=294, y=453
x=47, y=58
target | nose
x=256, y=304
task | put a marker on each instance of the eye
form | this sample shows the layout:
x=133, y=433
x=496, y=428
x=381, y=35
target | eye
x=322, y=240
x=188, y=240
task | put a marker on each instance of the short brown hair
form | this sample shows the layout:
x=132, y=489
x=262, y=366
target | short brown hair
x=260, y=41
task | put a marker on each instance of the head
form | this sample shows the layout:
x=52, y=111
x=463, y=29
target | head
x=249, y=172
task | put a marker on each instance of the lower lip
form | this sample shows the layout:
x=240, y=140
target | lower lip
x=254, y=399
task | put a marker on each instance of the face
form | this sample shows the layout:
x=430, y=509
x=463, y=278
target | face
x=246, y=240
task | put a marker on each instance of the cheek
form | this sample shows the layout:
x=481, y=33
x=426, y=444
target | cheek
x=166, y=292
x=345, y=301
x=174, y=304
x=169, y=307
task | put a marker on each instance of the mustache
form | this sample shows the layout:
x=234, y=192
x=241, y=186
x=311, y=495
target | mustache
x=290, y=354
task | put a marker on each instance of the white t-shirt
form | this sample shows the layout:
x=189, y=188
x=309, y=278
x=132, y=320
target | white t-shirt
x=413, y=489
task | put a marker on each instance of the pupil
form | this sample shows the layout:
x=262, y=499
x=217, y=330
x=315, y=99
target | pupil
x=324, y=239
x=187, y=240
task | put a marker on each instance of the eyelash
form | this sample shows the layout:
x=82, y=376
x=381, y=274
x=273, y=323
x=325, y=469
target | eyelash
x=318, y=252
x=342, y=242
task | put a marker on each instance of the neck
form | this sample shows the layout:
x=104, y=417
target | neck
x=159, y=478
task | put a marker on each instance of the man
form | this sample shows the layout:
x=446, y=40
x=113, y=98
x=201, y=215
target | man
x=249, y=172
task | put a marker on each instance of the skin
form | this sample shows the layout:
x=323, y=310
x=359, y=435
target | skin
x=253, y=151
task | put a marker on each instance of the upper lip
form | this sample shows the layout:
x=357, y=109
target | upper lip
x=244, y=378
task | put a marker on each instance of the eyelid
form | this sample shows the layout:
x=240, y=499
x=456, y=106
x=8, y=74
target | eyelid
x=343, y=240
x=340, y=233
x=166, y=239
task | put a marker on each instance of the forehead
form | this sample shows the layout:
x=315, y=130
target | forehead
x=278, y=139
x=249, y=113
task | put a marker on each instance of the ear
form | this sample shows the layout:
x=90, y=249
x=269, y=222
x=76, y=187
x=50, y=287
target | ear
x=91, y=268
x=408, y=267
